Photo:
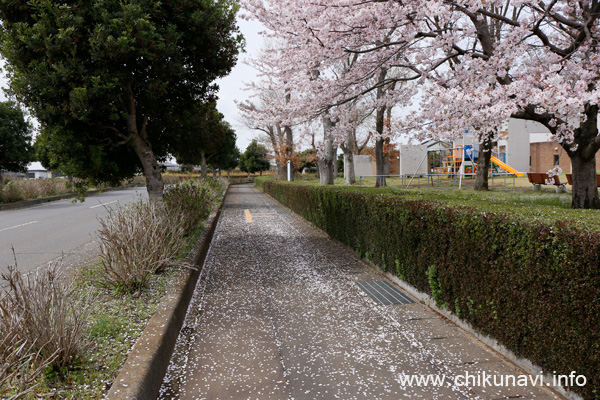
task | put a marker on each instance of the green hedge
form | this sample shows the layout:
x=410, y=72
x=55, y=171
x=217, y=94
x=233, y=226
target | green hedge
x=533, y=287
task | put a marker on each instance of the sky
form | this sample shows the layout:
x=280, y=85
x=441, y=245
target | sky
x=231, y=87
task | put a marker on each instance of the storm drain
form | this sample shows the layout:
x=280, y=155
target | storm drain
x=384, y=293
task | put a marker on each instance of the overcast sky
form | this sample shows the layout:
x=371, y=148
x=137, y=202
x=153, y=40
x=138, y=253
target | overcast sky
x=232, y=85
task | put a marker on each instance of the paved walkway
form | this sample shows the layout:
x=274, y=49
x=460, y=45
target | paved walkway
x=278, y=315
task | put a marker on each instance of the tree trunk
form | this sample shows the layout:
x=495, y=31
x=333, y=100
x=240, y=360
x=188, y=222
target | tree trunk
x=380, y=140
x=583, y=161
x=214, y=173
x=203, y=167
x=379, y=149
x=585, y=190
x=324, y=165
x=386, y=164
x=483, y=164
x=348, y=148
x=289, y=150
x=154, y=180
x=325, y=161
x=142, y=147
x=334, y=164
x=349, y=168
x=274, y=133
x=379, y=163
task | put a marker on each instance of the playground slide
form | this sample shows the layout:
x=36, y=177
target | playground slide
x=505, y=166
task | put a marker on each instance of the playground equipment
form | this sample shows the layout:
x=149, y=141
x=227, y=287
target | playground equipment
x=462, y=161
x=505, y=166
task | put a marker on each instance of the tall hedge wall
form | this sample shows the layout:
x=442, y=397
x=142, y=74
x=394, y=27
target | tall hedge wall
x=533, y=287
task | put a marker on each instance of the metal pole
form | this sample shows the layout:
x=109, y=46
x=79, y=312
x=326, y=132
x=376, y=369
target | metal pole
x=289, y=170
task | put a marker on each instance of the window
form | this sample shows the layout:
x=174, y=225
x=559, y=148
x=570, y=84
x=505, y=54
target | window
x=556, y=159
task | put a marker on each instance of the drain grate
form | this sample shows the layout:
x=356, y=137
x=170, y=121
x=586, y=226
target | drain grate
x=384, y=293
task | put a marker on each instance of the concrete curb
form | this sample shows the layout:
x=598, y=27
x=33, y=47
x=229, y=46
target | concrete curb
x=490, y=342
x=141, y=376
x=35, y=202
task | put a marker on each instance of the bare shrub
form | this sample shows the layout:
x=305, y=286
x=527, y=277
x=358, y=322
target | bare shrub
x=193, y=199
x=136, y=241
x=45, y=315
x=20, y=363
x=51, y=187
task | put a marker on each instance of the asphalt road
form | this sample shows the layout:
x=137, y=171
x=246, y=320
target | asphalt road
x=58, y=231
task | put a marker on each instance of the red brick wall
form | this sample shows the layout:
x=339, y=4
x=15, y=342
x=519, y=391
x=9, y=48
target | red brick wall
x=542, y=157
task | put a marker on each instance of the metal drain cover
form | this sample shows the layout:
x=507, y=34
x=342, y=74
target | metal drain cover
x=384, y=293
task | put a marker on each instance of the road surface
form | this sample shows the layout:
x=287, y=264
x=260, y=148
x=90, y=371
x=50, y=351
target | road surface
x=57, y=230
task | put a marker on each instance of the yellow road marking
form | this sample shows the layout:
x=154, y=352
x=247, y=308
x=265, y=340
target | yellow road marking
x=248, y=216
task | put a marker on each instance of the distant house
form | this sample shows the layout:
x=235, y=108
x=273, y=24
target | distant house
x=433, y=145
x=169, y=166
x=36, y=170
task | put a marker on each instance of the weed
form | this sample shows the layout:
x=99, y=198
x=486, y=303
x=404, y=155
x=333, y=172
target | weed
x=436, y=289
x=136, y=241
x=45, y=314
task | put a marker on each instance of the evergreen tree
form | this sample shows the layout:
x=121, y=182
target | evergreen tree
x=15, y=139
x=254, y=159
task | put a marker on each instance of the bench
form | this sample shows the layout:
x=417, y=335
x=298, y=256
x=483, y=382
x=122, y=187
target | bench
x=537, y=179
x=570, y=180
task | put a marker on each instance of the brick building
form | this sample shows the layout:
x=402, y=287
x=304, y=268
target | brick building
x=544, y=154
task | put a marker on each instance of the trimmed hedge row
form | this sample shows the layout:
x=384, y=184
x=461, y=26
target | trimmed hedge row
x=533, y=287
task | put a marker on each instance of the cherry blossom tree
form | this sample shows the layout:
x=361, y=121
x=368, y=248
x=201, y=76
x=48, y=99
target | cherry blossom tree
x=326, y=77
x=477, y=62
x=269, y=113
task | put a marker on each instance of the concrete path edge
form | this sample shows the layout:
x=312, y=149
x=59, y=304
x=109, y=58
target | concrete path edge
x=141, y=376
x=523, y=363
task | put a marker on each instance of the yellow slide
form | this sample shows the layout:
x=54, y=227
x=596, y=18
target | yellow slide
x=505, y=166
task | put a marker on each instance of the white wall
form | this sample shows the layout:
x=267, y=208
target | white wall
x=517, y=143
x=413, y=159
x=362, y=166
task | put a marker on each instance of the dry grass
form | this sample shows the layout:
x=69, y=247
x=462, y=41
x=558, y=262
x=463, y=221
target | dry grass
x=42, y=325
x=21, y=364
x=136, y=241
x=22, y=189
x=45, y=314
